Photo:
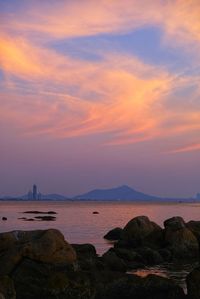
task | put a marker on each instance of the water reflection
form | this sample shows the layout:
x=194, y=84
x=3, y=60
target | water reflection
x=177, y=272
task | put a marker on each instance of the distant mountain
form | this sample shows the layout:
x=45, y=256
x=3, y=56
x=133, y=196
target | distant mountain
x=120, y=193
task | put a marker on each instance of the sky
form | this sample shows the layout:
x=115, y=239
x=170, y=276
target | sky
x=100, y=93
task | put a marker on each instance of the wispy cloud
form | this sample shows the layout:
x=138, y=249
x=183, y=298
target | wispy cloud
x=46, y=92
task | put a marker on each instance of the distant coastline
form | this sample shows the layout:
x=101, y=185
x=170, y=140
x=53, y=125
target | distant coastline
x=122, y=193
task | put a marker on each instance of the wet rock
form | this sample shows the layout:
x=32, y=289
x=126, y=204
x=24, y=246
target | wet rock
x=193, y=284
x=7, y=290
x=114, y=234
x=140, y=231
x=180, y=240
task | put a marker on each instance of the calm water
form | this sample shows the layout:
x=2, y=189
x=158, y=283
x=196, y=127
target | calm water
x=79, y=225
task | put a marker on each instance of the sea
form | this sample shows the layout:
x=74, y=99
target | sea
x=78, y=223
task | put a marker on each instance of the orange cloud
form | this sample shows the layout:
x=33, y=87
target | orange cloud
x=179, y=19
x=119, y=94
x=187, y=148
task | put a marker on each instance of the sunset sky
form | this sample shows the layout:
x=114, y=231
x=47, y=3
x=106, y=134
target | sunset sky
x=100, y=93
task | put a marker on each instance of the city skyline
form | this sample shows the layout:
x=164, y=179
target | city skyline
x=96, y=94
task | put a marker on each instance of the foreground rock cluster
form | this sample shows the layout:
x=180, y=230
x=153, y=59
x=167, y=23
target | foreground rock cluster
x=41, y=264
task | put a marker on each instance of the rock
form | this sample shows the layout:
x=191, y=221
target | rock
x=150, y=287
x=150, y=256
x=95, y=212
x=127, y=254
x=35, y=280
x=193, y=284
x=39, y=212
x=45, y=218
x=141, y=231
x=47, y=246
x=174, y=223
x=85, y=250
x=114, y=234
x=7, y=290
x=4, y=218
x=166, y=254
x=194, y=226
x=180, y=240
x=50, y=247
x=113, y=262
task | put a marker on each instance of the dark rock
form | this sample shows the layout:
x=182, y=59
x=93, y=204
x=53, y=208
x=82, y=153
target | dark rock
x=140, y=231
x=113, y=262
x=150, y=287
x=7, y=289
x=95, y=212
x=193, y=284
x=35, y=280
x=150, y=256
x=85, y=250
x=127, y=254
x=180, y=240
x=4, y=218
x=45, y=218
x=174, y=223
x=194, y=226
x=166, y=254
x=40, y=212
x=114, y=234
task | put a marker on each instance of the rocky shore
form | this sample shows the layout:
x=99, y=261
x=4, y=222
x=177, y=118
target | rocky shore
x=41, y=264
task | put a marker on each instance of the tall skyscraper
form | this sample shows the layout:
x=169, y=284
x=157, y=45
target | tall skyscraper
x=34, y=192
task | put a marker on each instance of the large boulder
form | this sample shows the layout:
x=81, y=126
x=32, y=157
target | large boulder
x=174, y=223
x=34, y=280
x=193, y=284
x=47, y=246
x=140, y=231
x=180, y=240
x=114, y=234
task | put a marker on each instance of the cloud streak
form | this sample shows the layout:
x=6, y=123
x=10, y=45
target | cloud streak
x=54, y=94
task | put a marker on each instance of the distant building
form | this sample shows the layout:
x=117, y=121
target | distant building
x=198, y=196
x=35, y=195
x=30, y=195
